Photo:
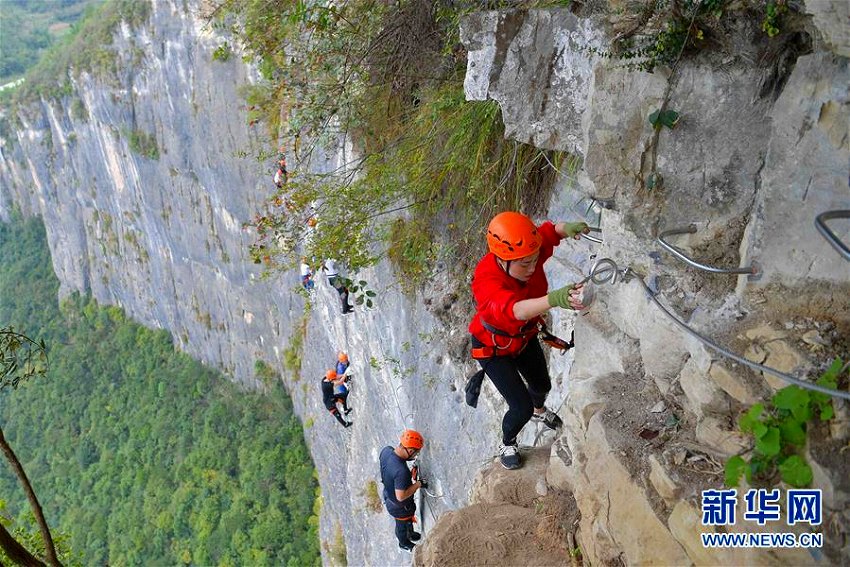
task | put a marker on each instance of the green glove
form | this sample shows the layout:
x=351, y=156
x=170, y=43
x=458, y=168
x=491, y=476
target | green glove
x=573, y=228
x=560, y=297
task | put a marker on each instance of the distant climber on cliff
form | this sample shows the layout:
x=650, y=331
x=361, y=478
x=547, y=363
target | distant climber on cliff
x=342, y=363
x=280, y=177
x=306, y=275
x=338, y=284
x=400, y=486
x=341, y=389
x=511, y=293
x=330, y=398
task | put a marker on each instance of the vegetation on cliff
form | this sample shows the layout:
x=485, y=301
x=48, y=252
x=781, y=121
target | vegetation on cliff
x=431, y=168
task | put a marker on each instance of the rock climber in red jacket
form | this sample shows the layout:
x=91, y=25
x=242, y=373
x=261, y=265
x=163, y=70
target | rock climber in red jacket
x=511, y=293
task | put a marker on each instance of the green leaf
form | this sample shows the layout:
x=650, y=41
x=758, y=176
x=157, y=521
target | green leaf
x=827, y=412
x=792, y=432
x=669, y=118
x=768, y=444
x=791, y=398
x=653, y=119
x=795, y=471
x=370, y=293
x=747, y=421
x=829, y=378
x=735, y=467
x=803, y=413
x=759, y=429
x=358, y=300
x=369, y=303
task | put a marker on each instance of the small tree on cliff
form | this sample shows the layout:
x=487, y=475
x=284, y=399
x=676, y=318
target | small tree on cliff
x=22, y=358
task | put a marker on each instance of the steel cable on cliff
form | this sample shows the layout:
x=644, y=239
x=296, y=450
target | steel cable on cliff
x=736, y=357
x=606, y=270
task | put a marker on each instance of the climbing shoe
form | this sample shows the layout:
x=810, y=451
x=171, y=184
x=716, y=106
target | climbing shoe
x=509, y=456
x=408, y=547
x=548, y=418
x=348, y=411
x=414, y=536
x=349, y=423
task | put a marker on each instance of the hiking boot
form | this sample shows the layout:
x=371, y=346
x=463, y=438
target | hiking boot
x=548, y=418
x=509, y=456
x=408, y=547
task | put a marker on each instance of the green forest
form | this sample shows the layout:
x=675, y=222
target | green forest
x=28, y=28
x=139, y=454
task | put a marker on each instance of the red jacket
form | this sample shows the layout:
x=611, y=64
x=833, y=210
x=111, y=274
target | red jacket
x=496, y=292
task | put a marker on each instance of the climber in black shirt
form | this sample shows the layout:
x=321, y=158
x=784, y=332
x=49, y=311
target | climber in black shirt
x=331, y=399
x=400, y=486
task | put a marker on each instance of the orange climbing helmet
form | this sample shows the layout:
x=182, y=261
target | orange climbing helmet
x=330, y=374
x=342, y=357
x=512, y=235
x=411, y=439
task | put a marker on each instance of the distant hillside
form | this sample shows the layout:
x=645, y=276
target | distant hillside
x=29, y=28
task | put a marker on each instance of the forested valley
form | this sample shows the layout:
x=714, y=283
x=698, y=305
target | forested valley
x=139, y=454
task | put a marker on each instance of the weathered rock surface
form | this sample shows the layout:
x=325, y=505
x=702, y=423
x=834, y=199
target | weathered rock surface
x=163, y=239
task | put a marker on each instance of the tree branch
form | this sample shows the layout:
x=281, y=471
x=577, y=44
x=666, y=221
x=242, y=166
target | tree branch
x=50, y=550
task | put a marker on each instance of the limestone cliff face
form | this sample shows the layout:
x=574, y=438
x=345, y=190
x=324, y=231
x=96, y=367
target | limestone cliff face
x=163, y=238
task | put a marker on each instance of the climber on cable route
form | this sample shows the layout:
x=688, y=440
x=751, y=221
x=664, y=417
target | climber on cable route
x=511, y=293
x=341, y=388
x=400, y=485
x=331, y=398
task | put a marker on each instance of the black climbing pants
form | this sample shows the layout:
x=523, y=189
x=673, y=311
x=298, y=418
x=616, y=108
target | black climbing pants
x=405, y=533
x=342, y=398
x=507, y=373
x=338, y=416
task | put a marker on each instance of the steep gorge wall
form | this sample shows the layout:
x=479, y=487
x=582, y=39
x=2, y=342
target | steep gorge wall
x=163, y=238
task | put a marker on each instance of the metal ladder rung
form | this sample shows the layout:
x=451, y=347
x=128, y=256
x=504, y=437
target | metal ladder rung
x=751, y=270
x=831, y=237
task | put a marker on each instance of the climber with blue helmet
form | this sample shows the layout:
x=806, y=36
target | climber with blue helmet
x=400, y=485
x=511, y=293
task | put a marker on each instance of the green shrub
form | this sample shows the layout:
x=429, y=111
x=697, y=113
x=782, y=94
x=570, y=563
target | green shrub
x=373, y=497
x=141, y=143
x=779, y=430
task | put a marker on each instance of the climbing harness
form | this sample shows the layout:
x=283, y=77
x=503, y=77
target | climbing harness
x=534, y=327
x=831, y=237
